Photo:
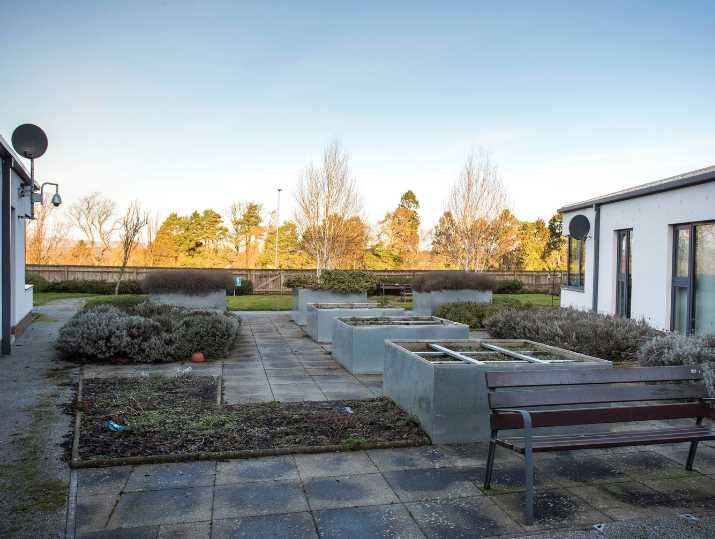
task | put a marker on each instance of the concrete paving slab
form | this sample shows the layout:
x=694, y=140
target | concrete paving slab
x=93, y=511
x=348, y=491
x=260, y=498
x=462, y=518
x=286, y=526
x=141, y=532
x=693, y=487
x=388, y=521
x=511, y=477
x=175, y=475
x=625, y=500
x=388, y=460
x=680, y=528
x=334, y=464
x=571, y=468
x=94, y=481
x=433, y=484
x=191, y=530
x=260, y=469
x=171, y=506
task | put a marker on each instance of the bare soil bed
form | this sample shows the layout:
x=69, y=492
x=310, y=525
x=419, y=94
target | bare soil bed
x=180, y=416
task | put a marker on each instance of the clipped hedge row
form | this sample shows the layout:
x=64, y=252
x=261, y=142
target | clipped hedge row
x=473, y=314
x=82, y=286
x=452, y=280
x=509, y=286
x=146, y=333
x=345, y=282
x=599, y=335
x=188, y=281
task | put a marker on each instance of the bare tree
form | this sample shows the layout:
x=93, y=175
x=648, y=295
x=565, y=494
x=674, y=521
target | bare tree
x=475, y=200
x=130, y=226
x=326, y=200
x=152, y=227
x=93, y=214
x=45, y=235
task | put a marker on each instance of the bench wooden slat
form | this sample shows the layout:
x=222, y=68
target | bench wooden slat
x=591, y=376
x=565, y=395
x=604, y=440
x=590, y=416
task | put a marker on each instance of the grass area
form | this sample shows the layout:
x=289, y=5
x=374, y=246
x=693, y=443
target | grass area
x=535, y=299
x=267, y=302
x=260, y=302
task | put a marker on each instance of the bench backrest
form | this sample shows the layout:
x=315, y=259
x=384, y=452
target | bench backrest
x=580, y=386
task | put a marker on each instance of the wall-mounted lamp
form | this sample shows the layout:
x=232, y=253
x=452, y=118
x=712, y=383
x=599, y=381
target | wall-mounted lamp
x=38, y=196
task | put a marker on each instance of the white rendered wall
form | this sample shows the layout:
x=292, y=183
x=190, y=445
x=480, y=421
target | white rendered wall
x=581, y=299
x=651, y=218
x=21, y=306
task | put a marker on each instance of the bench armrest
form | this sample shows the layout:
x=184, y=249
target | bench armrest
x=526, y=424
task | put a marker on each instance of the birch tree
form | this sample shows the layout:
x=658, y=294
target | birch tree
x=131, y=225
x=94, y=216
x=475, y=200
x=326, y=201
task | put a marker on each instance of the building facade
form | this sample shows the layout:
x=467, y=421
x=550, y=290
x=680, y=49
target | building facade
x=649, y=253
x=16, y=304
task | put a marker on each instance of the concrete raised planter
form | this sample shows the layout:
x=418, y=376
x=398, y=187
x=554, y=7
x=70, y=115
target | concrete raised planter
x=359, y=342
x=449, y=395
x=321, y=317
x=213, y=301
x=426, y=303
x=303, y=296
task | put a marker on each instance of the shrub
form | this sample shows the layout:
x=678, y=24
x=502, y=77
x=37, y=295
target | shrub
x=146, y=333
x=187, y=281
x=344, y=282
x=674, y=349
x=246, y=288
x=599, y=335
x=473, y=314
x=509, y=286
x=452, y=280
x=93, y=286
x=36, y=280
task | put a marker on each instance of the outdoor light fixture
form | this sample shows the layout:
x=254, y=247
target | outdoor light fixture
x=39, y=196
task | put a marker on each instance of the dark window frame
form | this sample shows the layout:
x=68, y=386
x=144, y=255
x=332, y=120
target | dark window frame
x=624, y=234
x=685, y=282
x=576, y=282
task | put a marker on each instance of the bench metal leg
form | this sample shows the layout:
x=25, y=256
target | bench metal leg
x=529, y=470
x=691, y=456
x=490, y=464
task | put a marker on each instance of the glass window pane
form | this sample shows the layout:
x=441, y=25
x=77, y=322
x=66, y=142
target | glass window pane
x=680, y=309
x=577, y=254
x=704, y=279
x=621, y=252
x=681, y=253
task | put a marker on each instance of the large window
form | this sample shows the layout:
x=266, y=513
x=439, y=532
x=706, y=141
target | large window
x=693, y=295
x=576, y=262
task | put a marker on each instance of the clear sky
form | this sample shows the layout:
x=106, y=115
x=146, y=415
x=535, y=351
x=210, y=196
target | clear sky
x=189, y=105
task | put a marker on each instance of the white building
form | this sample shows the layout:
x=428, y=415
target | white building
x=649, y=253
x=16, y=303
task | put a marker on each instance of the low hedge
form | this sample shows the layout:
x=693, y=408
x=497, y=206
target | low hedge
x=674, y=349
x=146, y=333
x=599, y=335
x=83, y=286
x=452, y=280
x=187, y=281
x=509, y=286
x=473, y=314
x=246, y=288
x=344, y=282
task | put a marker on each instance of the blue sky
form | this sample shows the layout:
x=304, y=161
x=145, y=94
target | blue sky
x=188, y=105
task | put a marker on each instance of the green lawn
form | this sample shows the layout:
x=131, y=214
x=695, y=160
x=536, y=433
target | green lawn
x=265, y=302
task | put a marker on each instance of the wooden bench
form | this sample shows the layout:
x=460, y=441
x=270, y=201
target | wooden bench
x=632, y=394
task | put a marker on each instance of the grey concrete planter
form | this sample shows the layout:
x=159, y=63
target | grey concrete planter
x=449, y=395
x=360, y=348
x=303, y=296
x=213, y=301
x=426, y=303
x=320, y=317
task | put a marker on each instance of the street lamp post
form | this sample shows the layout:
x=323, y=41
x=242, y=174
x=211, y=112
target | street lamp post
x=278, y=223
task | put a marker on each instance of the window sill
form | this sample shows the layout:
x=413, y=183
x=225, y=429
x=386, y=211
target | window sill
x=573, y=288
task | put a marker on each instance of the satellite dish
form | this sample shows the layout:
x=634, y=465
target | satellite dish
x=29, y=141
x=579, y=227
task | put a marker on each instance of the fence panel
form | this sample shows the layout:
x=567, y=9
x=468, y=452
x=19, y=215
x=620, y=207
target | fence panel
x=272, y=281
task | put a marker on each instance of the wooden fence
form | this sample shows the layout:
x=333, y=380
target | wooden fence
x=272, y=281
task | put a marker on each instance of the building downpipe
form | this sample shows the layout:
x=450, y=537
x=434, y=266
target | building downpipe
x=596, y=249
x=6, y=240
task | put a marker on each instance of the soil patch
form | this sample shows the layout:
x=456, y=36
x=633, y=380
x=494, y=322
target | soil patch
x=180, y=416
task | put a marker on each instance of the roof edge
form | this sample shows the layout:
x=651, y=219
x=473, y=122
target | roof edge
x=18, y=166
x=680, y=181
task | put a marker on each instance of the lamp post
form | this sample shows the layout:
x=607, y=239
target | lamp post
x=278, y=223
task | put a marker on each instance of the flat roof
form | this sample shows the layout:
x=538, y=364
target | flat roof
x=6, y=152
x=680, y=181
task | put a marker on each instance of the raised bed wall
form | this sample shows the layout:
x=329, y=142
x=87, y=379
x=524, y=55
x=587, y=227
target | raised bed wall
x=303, y=296
x=361, y=349
x=426, y=303
x=320, y=320
x=213, y=301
